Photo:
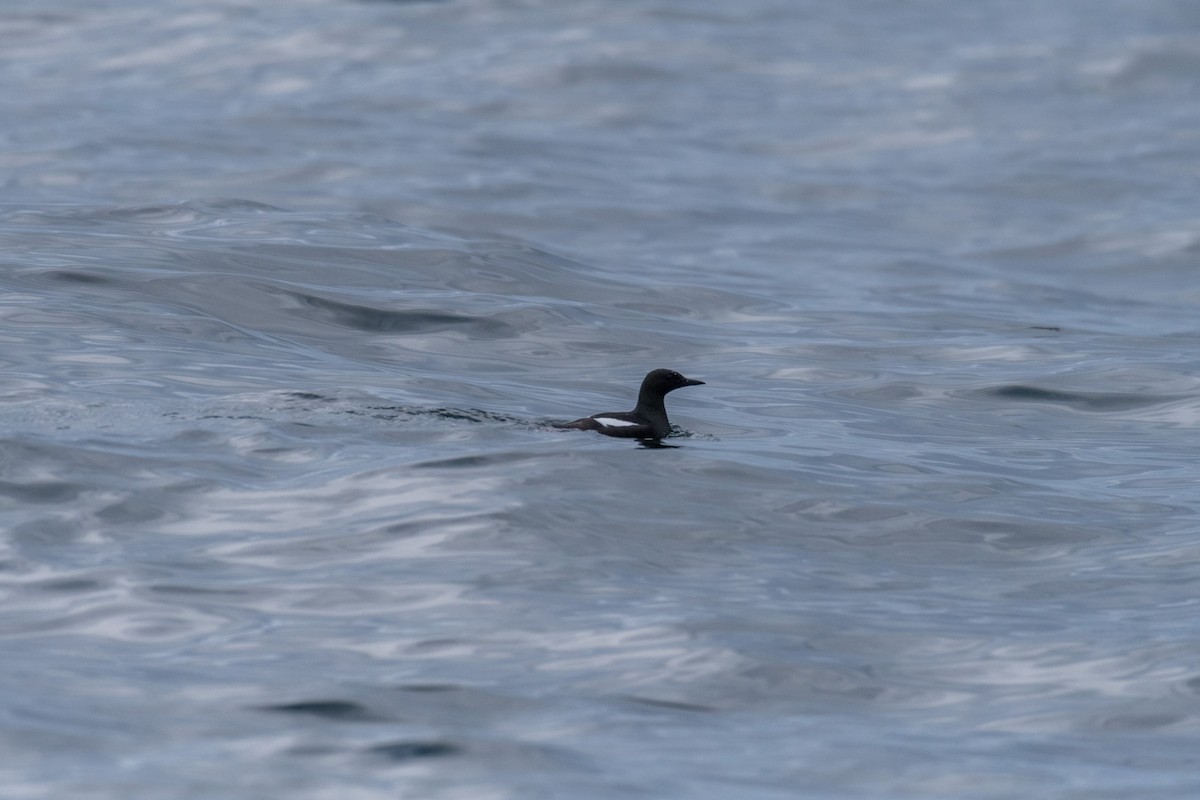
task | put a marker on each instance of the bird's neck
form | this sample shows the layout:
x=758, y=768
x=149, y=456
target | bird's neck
x=651, y=406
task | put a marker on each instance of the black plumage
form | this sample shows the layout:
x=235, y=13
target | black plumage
x=648, y=420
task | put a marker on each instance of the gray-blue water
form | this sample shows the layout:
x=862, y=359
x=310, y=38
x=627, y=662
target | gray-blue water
x=290, y=293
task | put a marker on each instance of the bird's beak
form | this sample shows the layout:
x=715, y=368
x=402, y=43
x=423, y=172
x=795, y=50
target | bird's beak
x=692, y=382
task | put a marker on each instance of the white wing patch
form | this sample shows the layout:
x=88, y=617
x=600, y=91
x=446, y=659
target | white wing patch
x=613, y=422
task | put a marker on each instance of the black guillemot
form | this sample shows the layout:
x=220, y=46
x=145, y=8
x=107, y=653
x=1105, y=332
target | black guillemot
x=648, y=420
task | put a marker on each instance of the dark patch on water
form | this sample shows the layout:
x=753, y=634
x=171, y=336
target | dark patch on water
x=476, y=461
x=428, y=688
x=1140, y=722
x=369, y=318
x=70, y=586
x=456, y=414
x=409, y=751
x=76, y=276
x=41, y=491
x=337, y=710
x=669, y=705
x=656, y=444
x=1099, y=402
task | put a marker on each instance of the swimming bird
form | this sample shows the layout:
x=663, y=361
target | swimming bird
x=648, y=420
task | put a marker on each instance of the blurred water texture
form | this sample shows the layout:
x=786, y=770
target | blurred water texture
x=291, y=294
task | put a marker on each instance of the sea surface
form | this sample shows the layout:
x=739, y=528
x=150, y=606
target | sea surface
x=291, y=295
